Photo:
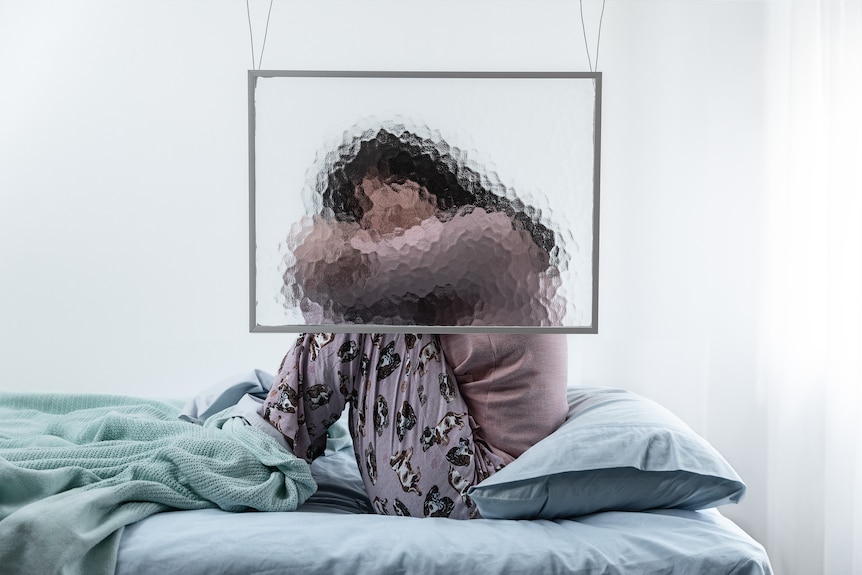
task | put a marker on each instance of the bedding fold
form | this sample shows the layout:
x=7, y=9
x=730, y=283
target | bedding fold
x=75, y=469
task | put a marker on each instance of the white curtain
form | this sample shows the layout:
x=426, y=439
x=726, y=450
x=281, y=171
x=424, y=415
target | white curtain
x=812, y=319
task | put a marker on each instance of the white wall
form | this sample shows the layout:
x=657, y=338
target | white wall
x=123, y=182
x=682, y=193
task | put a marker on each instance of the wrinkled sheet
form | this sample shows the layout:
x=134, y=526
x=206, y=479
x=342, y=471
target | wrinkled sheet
x=334, y=533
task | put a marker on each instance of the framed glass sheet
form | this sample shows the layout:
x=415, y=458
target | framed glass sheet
x=424, y=202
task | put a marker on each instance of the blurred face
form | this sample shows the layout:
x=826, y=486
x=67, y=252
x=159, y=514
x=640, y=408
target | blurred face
x=392, y=206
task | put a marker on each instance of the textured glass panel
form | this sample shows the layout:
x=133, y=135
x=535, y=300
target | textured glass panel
x=411, y=201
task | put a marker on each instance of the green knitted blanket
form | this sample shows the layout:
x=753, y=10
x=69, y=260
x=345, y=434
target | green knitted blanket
x=75, y=469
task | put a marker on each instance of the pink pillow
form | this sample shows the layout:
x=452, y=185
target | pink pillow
x=514, y=386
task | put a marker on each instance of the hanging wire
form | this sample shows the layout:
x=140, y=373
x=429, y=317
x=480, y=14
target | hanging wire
x=583, y=27
x=251, y=34
x=598, y=40
x=266, y=32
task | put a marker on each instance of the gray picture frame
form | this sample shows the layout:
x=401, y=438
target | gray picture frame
x=292, y=82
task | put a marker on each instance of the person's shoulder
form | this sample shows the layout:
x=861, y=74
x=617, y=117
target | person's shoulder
x=534, y=352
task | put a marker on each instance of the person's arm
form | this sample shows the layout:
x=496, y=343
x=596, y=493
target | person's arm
x=325, y=267
x=477, y=261
x=476, y=268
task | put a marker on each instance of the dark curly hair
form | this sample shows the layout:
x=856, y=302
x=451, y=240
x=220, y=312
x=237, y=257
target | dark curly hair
x=445, y=171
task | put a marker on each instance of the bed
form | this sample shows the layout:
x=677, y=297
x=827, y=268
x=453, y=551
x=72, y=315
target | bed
x=623, y=486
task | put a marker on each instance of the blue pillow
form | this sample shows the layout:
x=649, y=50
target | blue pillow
x=617, y=451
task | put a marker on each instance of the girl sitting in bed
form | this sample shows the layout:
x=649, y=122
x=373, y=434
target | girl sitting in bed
x=406, y=234
x=430, y=415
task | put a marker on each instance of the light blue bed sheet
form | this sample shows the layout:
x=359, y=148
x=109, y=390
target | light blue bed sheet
x=335, y=533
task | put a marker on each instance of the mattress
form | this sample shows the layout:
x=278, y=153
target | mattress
x=335, y=532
